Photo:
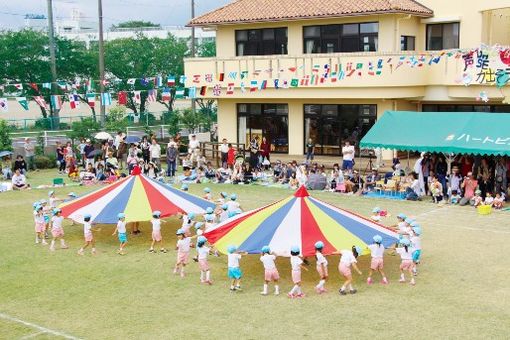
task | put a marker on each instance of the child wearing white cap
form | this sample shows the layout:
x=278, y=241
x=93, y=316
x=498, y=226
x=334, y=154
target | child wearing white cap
x=270, y=271
x=121, y=232
x=296, y=263
x=87, y=233
x=156, y=232
x=348, y=259
x=406, y=254
x=321, y=266
x=57, y=231
x=377, y=263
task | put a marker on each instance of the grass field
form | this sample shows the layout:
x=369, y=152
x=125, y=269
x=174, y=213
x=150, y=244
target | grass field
x=462, y=289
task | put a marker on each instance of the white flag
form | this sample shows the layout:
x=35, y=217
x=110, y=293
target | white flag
x=4, y=107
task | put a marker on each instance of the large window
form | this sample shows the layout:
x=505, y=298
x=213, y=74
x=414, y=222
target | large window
x=261, y=42
x=264, y=120
x=442, y=36
x=341, y=38
x=330, y=125
x=407, y=43
x=465, y=108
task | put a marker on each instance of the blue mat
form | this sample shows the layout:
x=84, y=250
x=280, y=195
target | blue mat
x=391, y=196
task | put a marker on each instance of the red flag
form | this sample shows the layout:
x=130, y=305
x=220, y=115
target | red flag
x=221, y=77
x=122, y=98
x=34, y=86
x=230, y=88
x=203, y=90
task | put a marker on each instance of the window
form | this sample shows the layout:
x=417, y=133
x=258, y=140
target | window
x=261, y=42
x=464, y=108
x=264, y=120
x=442, y=36
x=361, y=37
x=407, y=43
x=330, y=125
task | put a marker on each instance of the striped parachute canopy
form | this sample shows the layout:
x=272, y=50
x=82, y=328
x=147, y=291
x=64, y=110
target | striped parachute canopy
x=299, y=220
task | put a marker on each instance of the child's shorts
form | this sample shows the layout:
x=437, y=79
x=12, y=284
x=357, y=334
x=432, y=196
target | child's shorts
x=271, y=275
x=377, y=263
x=204, y=265
x=46, y=219
x=57, y=232
x=39, y=227
x=89, y=237
x=406, y=264
x=156, y=236
x=417, y=256
x=322, y=273
x=296, y=276
x=182, y=257
x=234, y=273
x=122, y=237
x=344, y=270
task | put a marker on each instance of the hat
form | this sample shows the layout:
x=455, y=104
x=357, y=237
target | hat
x=358, y=249
x=121, y=216
x=184, y=187
x=201, y=239
x=88, y=140
x=478, y=191
x=38, y=207
x=207, y=190
x=231, y=249
x=294, y=249
x=35, y=205
x=43, y=201
x=319, y=245
x=87, y=216
x=417, y=230
x=56, y=211
x=179, y=232
x=51, y=193
x=191, y=215
x=402, y=216
x=233, y=197
x=156, y=213
x=224, y=194
x=377, y=238
x=209, y=217
x=209, y=210
x=198, y=225
x=414, y=224
x=224, y=207
x=405, y=242
x=376, y=210
x=265, y=249
x=409, y=220
x=72, y=194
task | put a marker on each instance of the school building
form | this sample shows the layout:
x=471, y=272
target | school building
x=327, y=69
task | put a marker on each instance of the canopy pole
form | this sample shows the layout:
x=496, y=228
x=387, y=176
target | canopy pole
x=449, y=161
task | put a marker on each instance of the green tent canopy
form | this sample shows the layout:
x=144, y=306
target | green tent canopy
x=477, y=133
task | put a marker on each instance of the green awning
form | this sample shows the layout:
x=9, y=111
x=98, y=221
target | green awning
x=476, y=133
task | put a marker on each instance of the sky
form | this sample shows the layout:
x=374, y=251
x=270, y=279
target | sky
x=164, y=12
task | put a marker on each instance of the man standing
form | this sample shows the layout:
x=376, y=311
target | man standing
x=29, y=154
x=88, y=151
x=418, y=169
x=348, y=156
x=155, y=150
x=194, y=149
x=224, y=153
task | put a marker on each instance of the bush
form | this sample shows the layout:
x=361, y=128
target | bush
x=45, y=162
x=5, y=139
x=50, y=124
x=84, y=128
x=115, y=119
x=144, y=116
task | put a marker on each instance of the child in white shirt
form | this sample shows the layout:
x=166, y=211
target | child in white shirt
x=156, y=232
x=377, y=263
x=347, y=260
x=406, y=255
x=57, y=230
x=203, y=251
x=489, y=200
x=270, y=271
x=321, y=266
x=234, y=271
x=121, y=232
x=416, y=245
x=498, y=201
x=183, y=247
x=87, y=233
x=455, y=197
x=296, y=263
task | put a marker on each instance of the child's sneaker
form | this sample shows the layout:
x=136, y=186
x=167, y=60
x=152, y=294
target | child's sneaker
x=80, y=252
x=182, y=273
x=402, y=280
x=175, y=270
x=52, y=248
x=93, y=251
x=412, y=283
x=353, y=291
x=369, y=281
x=276, y=293
x=342, y=292
x=209, y=282
x=163, y=250
x=291, y=296
x=65, y=246
x=238, y=288
x=44, y=242
x=318, y=290
x=263, y=293
x=384, y=281
x=151, y=250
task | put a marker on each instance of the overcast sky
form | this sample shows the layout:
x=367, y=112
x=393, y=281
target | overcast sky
x=164, y=12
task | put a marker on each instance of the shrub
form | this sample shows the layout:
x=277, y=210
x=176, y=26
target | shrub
x=5, y=139
x=115, y=119
x=45, y=162
x=50, y=123
x=85, y=128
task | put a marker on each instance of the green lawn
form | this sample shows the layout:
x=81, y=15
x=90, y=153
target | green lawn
x=462, y=289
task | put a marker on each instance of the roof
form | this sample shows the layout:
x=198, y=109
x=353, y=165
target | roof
x=478, y=133
x=246, y=11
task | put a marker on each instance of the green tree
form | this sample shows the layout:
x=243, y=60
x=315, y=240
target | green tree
x=136, y=24
x=207, y=49
x=5, y=139
x=116, y=119
x=83, y=128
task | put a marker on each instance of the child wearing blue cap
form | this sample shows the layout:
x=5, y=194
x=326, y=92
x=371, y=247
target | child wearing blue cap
x=234, y=271
x=270, y=272
x=223, y=198
x=40, y=224
x=416, y=244
x=57, y=231
x=187, y=222
x=223, y=216
x=377, y=263
x=120, y=230
x=232, y=204
x=207, y=194
x=203, y=252
x=296, y=263
x=348, y=259
x=321, y=266
x=156, y=232
x=87, y=233
x=406, y=254
x=183, y=247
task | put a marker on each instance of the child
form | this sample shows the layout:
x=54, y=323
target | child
x=231, y=155
x=187, y=222
x=296, y=262
x=208, y=195
x=208, y=211
x=455, y=197
x=184, y=187
x=56, y=230
x=270, y=271
x=203, y=251
x=489, y=200
x=377, y=253
x=234, y=272
x=477, y=199
x=498, y=201
x=53, y=200
x=406, y=254
x=87, y=232
x=401, y=222
x=375, y=214
x=416, y=244
x=209, y=221
x=222, y=199
x=233, y=205
x=321, y=266
x=183, y=247
x=40, y=225
x=156, y=232
x=46, y=213
x=224, y=213
x=122, y=234
x=347, y=260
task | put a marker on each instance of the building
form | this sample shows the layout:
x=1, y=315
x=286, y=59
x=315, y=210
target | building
x=296, y=39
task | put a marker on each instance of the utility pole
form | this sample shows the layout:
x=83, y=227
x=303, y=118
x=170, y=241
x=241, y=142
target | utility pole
x=53, y=63
x=101, y=61
x=193, y=101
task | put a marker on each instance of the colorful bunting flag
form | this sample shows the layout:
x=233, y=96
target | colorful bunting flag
x=152, y=95
x=122, y=98
x=18, y=86
x=192, y=92
x=232, y=75
x=40, y=101
x=91, y=99
x=170, y=81
x=182, y=79
x=230, y=88
x=253, y=86
x=263, y=85
x=106, y=99
x=137, y=97
x=4, y=106
x=196, y=78
x=294, y=82
x=166, y=96
x=221, y=76
x=56, y=102
x=34, y=86
x=179, y=93
x=217, y=90
x=131, y=81
x=90, y=86
x=23, y=102
x=74, y=101
x=46, y=86
x=203, y=91
x=158, y=81
x=208, y=78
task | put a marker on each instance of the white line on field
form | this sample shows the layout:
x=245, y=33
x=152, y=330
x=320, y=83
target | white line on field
x=33, y=325
x=33, y=335
x=470, y=228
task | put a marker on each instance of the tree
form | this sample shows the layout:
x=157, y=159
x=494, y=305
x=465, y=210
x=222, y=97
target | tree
x=5, y=138
x=116, y=119
x=83, y=128
x=135, y=24
x=209, y=110
x=207, y=49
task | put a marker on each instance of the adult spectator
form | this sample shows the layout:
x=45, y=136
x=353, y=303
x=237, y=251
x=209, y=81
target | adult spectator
x=88, y=151
x=224, y=152
x=171, y=159
x=371, y=180
x=254, y=152
x=348, y=156
x=145, y=145
x=6, y=167
x=19, y=181
x=81, y=150
x=121, y=151
x=118, y=139
x=20, y=164
x=194, y=149
x=60, y=158
x=316, y=181
x=469, y=186
x=500, y=178
x=485, y=177
x=155, y=150
x=418, y=169
x=29, y=154
x=265, y=150
x=455, y=179
x=413, y=192
x=441, y=170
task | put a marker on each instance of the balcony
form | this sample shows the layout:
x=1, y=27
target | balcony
x=351, y=75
